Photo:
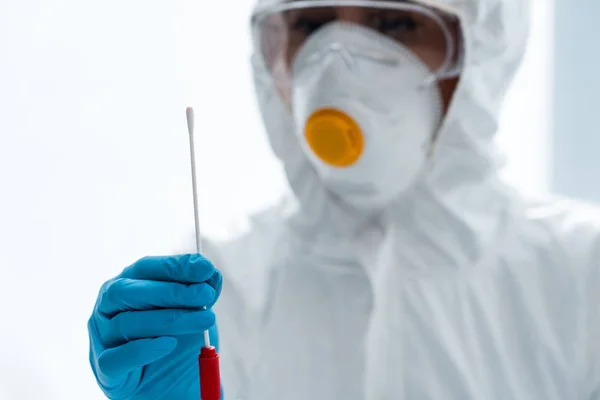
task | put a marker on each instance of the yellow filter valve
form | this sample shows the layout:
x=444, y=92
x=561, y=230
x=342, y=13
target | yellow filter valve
x=334, y=137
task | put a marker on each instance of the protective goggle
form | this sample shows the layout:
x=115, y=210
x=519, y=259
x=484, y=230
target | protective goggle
x=432, y=35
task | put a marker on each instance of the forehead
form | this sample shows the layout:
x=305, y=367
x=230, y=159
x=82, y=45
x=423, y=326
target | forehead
x=451, y=6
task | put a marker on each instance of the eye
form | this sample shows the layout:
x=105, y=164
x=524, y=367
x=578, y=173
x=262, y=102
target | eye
x=306, y=22
x=307, y=26
x=396, y=24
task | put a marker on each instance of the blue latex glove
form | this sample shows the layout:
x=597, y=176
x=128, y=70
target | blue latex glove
x=147, y=328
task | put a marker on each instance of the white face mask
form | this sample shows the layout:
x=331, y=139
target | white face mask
x=369, y=109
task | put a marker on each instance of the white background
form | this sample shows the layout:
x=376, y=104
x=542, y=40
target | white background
x=94, y=169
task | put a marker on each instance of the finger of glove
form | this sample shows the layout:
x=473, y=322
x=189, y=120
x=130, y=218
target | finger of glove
x=187, y=268
x=119, y=361
x=134, y=325
x=124, y=294
x=216, y=282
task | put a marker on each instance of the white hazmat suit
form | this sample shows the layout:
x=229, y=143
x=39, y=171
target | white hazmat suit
x=463, y=289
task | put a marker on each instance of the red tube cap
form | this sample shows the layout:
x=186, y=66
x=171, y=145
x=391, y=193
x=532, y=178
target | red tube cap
x=210, y=376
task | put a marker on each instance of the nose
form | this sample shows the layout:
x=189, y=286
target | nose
x=355, y=15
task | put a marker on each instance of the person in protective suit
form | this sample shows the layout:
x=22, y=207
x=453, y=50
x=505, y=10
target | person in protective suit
x=400, y=266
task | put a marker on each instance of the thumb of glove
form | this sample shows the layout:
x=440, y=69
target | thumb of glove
x=118, y=362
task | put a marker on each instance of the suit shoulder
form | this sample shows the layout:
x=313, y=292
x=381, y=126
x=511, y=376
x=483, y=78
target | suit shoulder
x=571, y=226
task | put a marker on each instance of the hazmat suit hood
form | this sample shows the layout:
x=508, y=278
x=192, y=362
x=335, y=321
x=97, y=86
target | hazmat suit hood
x=460, y=179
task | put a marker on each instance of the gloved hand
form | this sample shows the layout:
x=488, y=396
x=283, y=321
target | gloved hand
x=147, y=327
